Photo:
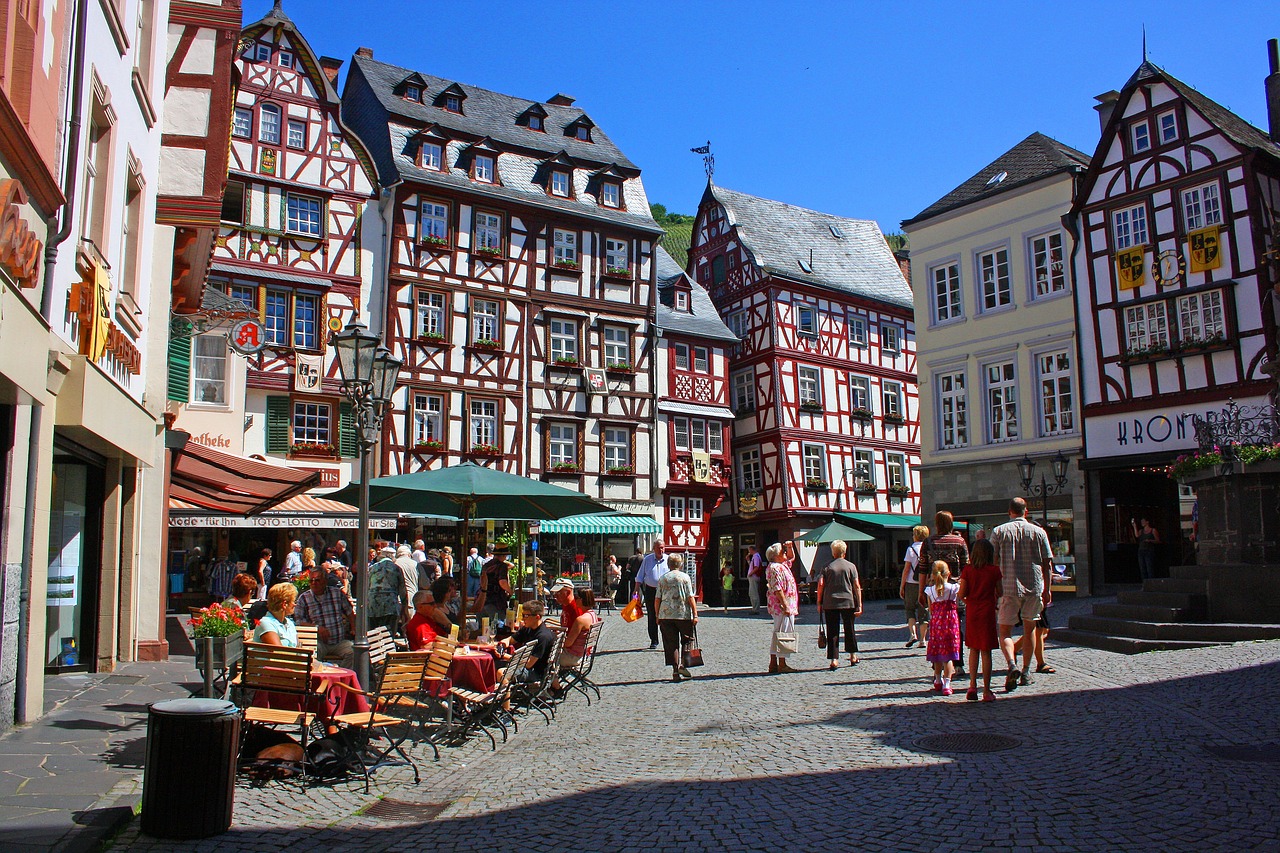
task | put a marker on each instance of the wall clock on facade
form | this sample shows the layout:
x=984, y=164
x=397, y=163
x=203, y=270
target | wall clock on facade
x=1169, y=267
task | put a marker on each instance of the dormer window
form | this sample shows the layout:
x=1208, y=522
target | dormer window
x=682, y=301
x=432, y=156
x=611, y=194
x=535, y=123
x=1140, y=134
x=412, y=93
x=582, y=132
x=560, y=183
x=261, y=52
x=580, y=129
x=1168, y=123
x=285, y=59
x=482, y=168
x=453, y=103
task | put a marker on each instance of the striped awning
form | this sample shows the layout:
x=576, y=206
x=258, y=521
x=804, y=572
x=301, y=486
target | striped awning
x=602, y=524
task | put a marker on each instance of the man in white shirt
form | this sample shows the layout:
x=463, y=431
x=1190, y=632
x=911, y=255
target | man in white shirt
x=652, y=568
x=409, y=571
x=419, y=551
x=755, y=577
x=293, y=560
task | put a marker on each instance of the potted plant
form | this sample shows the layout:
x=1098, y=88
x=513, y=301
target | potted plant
x=430, y=444
x=813, y=406
x=619, y=367
x=1139, y=353
x=892, y=418
x=432, y=337
x=566, y=468
x=311, y=448
x=486, y=343
x=860, y=414
x=863, y=486
x=302, y=583
x=621, y=470
x=562, y=264
x=486, y=450
x=618, y=272
x=224, y=624
x=900, y=491
x=567, y=361
x=489, y=251
x=815, y=484
x=434, y=241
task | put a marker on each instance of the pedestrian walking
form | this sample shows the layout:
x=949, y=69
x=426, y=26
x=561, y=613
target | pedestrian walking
x=840, y=602
x=629, y=577
x=980, y=593
x=475, y=568
x=677, y=615
x=726, y=585
x=652, y=568
x=949, y=546
x=944, y=626
x=783, y=604
x=909, y=590
x=386, y=591
x=1026, y=565
x=1147, y=538
x=755, y=575
x=262, y=573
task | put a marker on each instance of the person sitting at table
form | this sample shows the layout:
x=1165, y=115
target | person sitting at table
x=534, y=630
x=420, y=630
x=570, y=610
x=244, y=589
x=575, y=641
x=327, y=607
x=276, y=628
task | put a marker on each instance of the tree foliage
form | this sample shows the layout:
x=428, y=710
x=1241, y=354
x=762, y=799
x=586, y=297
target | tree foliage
x=664, y=217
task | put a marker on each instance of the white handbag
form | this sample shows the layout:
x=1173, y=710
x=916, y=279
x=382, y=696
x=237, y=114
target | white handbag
x=786, y=644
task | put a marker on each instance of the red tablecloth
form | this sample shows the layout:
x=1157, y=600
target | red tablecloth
x=474, y=671
x=331, y=701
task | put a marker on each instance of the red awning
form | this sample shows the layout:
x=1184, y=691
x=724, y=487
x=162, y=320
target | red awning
x=230, y=484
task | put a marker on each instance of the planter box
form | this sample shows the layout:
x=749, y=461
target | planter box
x=226, y=651
x=622, y=475
x=433, y=342
x=435, y=247
x=565, y=270
x=565, y=365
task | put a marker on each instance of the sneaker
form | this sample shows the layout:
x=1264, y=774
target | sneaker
x=684, y=671
x=971, y=695
x=1025, y=678
x=947, y=691
x=1011, y=680
x=653, y=647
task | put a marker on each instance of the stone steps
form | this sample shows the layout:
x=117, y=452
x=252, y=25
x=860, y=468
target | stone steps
x=1122, y=645
x=1140, y=612
x=1192, y=632
x=1191, y=586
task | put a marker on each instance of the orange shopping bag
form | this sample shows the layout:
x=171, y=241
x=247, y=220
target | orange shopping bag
x=634, y=609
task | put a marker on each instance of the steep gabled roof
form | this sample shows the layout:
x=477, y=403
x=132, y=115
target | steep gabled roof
x=1033, y=159
x=849, y=255
x=701, y=320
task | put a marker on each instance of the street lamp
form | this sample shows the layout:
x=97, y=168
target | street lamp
x=1043, y=489
x=369, y=373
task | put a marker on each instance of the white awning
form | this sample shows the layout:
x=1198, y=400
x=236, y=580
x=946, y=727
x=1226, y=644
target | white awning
x=695, y=409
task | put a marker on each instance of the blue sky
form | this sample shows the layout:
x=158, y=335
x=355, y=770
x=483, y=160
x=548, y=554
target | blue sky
x=861, y=109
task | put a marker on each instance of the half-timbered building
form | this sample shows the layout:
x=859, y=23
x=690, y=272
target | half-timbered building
x=823, y=379
x=520, y=284
x=1175, y=217
x=694, y=420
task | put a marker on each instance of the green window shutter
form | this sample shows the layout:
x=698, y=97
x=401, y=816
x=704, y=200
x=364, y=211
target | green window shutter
x=180, y=369
x=278, y=425
x=348, y=445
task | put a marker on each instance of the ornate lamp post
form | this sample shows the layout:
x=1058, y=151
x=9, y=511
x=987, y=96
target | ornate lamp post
x=369, y=373
x=1043, y=489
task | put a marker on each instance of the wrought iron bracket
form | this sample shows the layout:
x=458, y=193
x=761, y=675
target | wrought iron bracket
x=1236, y=425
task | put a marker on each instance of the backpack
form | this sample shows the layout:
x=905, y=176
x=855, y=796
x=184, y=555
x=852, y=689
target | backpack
x=954, y=554
x=475, y=566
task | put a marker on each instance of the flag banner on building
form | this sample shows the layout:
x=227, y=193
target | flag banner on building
x=701, y=466
x=1205, y=249
x=308, y=373
x=1131, y=267
x=595, y=381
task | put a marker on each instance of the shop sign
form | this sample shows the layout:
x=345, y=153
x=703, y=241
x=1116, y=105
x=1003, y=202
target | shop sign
x=748, y=506
x=20, y=249
x=1149, y=431
x=217, y=441
x=595, y=380
x=247, y=337
x=277, y=522
x=328, y=477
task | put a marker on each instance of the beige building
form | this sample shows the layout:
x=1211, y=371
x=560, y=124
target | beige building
x=997, y=348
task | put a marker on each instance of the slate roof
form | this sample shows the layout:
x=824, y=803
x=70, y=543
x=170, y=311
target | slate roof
x=702, y=320
x=779, y=236
x=1236, y=128
x=1033, y=159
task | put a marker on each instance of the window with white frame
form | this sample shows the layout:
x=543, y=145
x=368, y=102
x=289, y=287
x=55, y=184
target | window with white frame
x=810, y=384
x=209, y=370
x=297, y=134
x=1201, y=207
x=993, y=272
x=610, y=194
x=564, y=246
x=615, y=256
x=242, y=123
x=807, y=320
x=1002, y=402
x=1146, y=328
x=285, y=59
x=453, y=103
x=244, y=293
x=484, y=320
x=675, y=507
x=1056, y=393
x=428, y=418
x=744, y=390
x=262, y=52
x=895, y=469
x=890, y=338
x=814, y=457
x=564, y=340
x=275, y=317
x=681, y=354
x=749, y=474
x=1201, y=317
x=413, y=93
x=306, y=321
x=432, y=156
x=1140, y=134
x=617, y=346
x=946, y=292
x=701, y=360
x=617, y=448
x=484, y=422
x=682, y=301
x=562, y=444
x=488, y=231
x=857, y=331
x=680, y=433
x=312, y=423
x=560, y=183
x=695, y=509
x=431, y=314
x=715, y=437
x=304, y=215
x=864, y=470
x=1047, y=268
x=1129, y=226
x=860, y=393
x=697, y=434
x=1168, y=124
x=434, y=224
x=482, y=168
x=891, y=396
x=953, y=406
x=738, y=324
x=269, y=124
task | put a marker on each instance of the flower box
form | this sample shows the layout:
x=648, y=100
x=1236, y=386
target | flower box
x=900, y=491
x=430, y=446
x=566, y=468
x=1148, y=353
x=307, y=448
x=433, y=339
x=485, y=450
x=566, y=266
x=620, y=471
x=895, y=419
x=488, y=252
x=815, y=485
x=861, y=414
x=811, y=406
x=434, y=242
x=617, y=272
x=619, y=367
x=744, y=412
x=864, y=487
x=567, y=363
x=226, y=651
x=486, y=344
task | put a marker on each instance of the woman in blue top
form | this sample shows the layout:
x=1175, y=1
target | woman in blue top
x=276, y=628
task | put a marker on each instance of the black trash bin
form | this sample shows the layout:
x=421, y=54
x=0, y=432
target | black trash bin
x=188, y=784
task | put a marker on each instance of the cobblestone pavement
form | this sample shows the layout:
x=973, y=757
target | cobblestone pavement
x=1166, y=750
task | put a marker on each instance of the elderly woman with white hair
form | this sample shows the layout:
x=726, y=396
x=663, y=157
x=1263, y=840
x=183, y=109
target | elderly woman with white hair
x=784, y=604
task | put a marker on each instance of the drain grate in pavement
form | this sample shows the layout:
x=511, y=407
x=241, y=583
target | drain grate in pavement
x=966, y=742
x=122, y=679
x=1264, y=752
x=405, y=811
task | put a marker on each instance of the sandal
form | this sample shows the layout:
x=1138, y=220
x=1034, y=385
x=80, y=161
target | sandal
x=1044, y=667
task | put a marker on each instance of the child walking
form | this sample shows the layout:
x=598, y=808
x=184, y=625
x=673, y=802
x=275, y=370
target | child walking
x=980, y=592
x=944, y=627
x=726, y=585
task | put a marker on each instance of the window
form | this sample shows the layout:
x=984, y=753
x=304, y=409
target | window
x=1047, y=268
x=701, y=360
x=242, y=123
x=815, y=463
x=434, y=225
x=617, y=346
x=276, y=318
x=857, y=331
x=482, y=168
x=261, y=52
x=564, y=340
x=1168, y=123
x=233, y=203
x=749, y=478
x=697, y=434
x=1130, y=226
x=453, y=103
x=431, y=314
x=535, y=123
x=953, y=406
x=1146, y=328
x=428, y=418
x=131, y=230
x=269, y=124
x=682, y=301
x=562, y=444
x=680, y=433
x=560, y=184
x=582, y=132
x=97, y=167
x=1054, y=375
x=807, y=321
x=1002, y=402
x=489, y=232
x=1140, y=134
x=432, y=156
x=744, y=390
x=891, y=396
x=738, y=324
x=565, y=246
x=617, y=447
x=312, y=423
x=864, y=470
x=895, y=466
x=1200, y=317
x=306, y=321
x=285, y=59
x=715, y=437
x=611, y=194
x=209, y=369
x=681, y=352
x=304, y=215
x=286, y=311
x=1201, y=207
x=946, y=292
x=297, y=137
x=675, y=508
x=244, y=293
x=484, y=422
x=719, y=271
x=860, y=393
x=993, y=272
x=695, y=509
x=810, y=382
x=616, y=257
x=413, y=93
x=484, y=320
x=890, y=338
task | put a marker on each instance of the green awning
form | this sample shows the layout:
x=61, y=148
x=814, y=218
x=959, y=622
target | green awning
x=833, y=530
x=887, y=520
x=602, y=524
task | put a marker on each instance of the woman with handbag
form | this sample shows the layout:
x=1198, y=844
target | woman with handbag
x=784, y=605
x=840, y=601
x=677, y=610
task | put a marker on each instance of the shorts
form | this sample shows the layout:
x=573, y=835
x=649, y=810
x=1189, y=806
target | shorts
x=568, y=661
x=911, y=604
x=1015, y=609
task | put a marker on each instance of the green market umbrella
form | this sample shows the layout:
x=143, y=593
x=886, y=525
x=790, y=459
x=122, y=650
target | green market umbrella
x=833, y=530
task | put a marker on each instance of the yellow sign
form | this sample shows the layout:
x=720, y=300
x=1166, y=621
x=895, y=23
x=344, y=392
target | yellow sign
x=1131, y=267
x=748, y=505
x=1205, y=249
x=701, y=472
x=95, y=326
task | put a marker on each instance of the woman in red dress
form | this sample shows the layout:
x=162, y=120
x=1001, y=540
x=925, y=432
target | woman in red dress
x=980, y=591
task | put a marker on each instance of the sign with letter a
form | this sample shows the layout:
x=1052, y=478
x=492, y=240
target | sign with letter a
x=308, y=373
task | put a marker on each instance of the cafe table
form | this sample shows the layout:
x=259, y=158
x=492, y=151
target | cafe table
x=330, y=700
x=474, y=670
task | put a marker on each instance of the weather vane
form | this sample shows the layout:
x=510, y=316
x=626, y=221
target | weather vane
x=708, y=159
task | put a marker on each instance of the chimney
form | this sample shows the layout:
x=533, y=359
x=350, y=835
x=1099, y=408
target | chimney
x=1106, y=106
x=366, y=52
x=330, y=67
x=1273, y=90
x=560, y=100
